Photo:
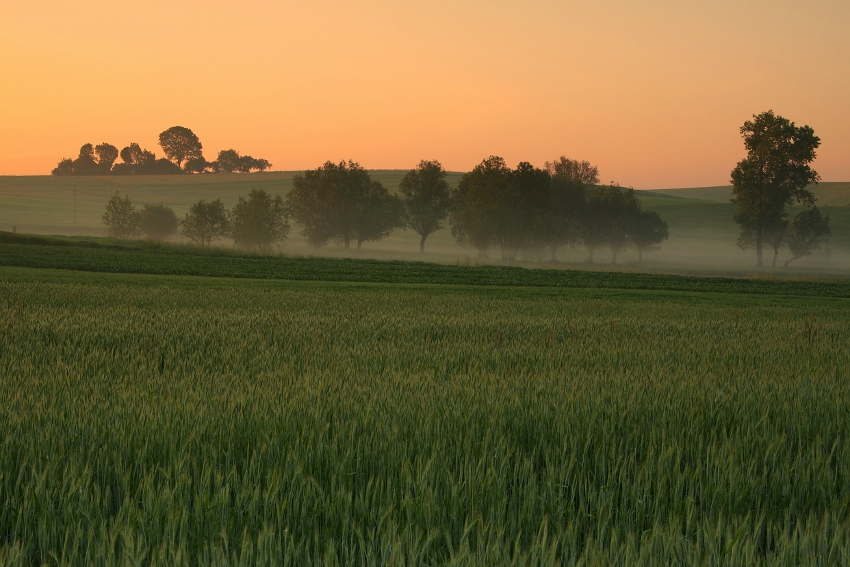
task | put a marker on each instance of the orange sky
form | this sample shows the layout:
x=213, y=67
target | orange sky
x=653, y=92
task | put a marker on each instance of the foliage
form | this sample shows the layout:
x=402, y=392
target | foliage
x=341, y=202
x=259, y=221
x=106, y=156
x=182, y=423
x=809, y=230
x=229, y=161
x=426, y=199
x=121, y=217
x=477, y=202
x=774, y=174
x=157, y=221
x=647, y=231
x=180, y=144
x=205, y=222
x=197, y=165
x=571, y=181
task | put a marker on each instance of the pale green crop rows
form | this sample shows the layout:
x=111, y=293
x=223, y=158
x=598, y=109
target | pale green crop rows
x=182, y=424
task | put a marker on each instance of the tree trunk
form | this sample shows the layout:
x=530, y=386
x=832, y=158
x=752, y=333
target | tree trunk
x=614, y=252
x=422, y=244
x=789, y=260
x=775, y=254
x=347, y=241
x=759, y=262
x=359, y=243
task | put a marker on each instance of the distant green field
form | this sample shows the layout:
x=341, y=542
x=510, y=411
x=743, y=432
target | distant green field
x=702, y=233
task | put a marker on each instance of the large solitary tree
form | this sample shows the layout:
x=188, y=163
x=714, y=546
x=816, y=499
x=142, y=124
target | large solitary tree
x=426, y=199
x=774, y=174
x=180, y=144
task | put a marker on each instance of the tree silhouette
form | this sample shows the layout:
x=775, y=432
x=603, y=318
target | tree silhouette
x=476, y=200
x=774, y=174
x=259, y=221
x=571, y=180
x=180, y=144
x=341, y=202
x=648, y=231
x=121, y=217
x=808, y=231
x=227, y=162
x=426, y=199
x=106, y=156
x=205, y=222
x=157, y=222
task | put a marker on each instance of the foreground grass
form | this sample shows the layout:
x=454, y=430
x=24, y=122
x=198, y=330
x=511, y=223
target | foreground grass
x=156, y=420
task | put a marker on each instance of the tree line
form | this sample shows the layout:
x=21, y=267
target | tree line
x=527, y=211
x=183, y=154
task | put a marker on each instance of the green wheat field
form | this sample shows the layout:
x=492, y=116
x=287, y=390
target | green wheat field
x=188, y=420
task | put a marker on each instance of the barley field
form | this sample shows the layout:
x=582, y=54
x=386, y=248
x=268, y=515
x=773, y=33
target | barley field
x=165, y=420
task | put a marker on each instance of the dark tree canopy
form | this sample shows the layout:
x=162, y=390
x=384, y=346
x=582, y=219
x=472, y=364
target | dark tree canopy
x=121, y=217
x=774, y=174
x=608, y=220
x=135, y=155
x=157, y=221
x=106, y=156
x=426, y=199
x=229, y=161
x=808, y=231
x=205, y=222
x=575, y=171
x=648, y=231
x=377, y=214
x=197, y=165
x=180, y=144
x=476, y=202
x=341, y=202
x=571, y=181
x=259, y=221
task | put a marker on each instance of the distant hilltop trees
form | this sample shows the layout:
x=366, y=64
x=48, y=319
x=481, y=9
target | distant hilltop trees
x=183, y=154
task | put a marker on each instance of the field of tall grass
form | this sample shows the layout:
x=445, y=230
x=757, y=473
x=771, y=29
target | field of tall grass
x=159, y=420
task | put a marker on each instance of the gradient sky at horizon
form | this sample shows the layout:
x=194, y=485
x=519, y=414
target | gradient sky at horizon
x=652, y=92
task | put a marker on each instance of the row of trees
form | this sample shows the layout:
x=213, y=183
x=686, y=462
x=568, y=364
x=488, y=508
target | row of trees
x=527, y=210
x=183, y=154
x=255, y=221
x=775, y=174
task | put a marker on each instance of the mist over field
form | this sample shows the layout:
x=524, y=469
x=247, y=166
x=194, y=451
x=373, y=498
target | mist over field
x=702, y=231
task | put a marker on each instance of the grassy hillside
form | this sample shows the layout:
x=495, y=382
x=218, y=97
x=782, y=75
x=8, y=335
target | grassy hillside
x=829, y=194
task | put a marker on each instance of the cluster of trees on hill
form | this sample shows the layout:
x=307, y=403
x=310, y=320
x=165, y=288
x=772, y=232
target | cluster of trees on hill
x=775, y=174
x=183, y=154
x=527, y=210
